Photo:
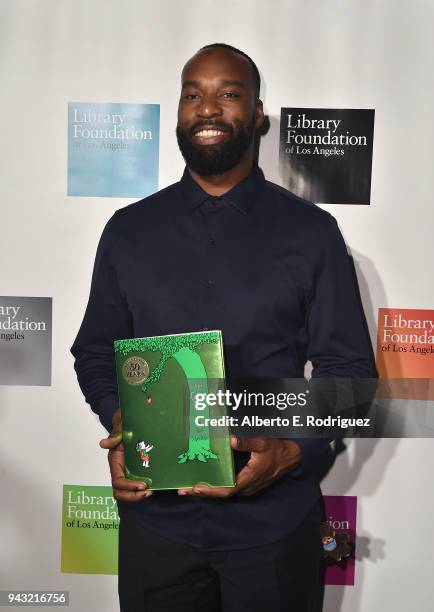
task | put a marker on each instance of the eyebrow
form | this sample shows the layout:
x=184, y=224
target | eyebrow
x=224, y=83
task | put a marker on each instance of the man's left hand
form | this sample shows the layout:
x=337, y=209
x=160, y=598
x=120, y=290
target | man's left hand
x=269, y=459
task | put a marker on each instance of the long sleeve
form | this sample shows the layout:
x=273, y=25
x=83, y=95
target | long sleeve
x=106, y=319
x=339, y=344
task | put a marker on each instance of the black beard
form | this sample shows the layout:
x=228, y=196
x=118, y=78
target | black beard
x=207, y=160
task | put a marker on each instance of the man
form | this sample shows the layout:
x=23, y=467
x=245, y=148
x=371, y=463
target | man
x=223, y=249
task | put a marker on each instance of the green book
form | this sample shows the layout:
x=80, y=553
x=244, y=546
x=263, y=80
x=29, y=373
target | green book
x=159, y=381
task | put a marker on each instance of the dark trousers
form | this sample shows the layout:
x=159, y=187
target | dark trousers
x=161, y=575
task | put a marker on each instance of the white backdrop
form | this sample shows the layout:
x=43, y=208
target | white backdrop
x=338, y=54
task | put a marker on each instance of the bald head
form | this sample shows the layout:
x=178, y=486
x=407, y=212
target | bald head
x=223, y=53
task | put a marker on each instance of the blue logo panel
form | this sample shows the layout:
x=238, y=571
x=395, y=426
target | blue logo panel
x=113, y=149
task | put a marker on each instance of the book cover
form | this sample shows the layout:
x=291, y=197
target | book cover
x=158, y=380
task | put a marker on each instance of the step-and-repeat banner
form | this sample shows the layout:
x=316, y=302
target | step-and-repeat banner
x=89, y=116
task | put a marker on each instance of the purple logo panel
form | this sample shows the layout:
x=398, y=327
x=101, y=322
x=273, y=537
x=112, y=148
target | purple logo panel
x=340, y=512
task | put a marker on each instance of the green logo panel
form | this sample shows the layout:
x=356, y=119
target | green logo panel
x=90, y=524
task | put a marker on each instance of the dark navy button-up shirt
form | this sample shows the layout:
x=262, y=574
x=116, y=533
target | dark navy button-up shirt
x=268, y=269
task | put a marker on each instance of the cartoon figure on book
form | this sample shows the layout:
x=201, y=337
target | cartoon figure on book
x=222, y=249
x=143, y=449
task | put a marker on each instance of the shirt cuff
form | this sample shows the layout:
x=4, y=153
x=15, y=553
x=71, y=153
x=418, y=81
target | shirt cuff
x=105, y=411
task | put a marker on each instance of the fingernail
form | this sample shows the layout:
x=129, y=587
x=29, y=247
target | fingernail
x=182, y=492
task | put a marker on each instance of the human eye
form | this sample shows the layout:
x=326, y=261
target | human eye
x=228, y=95
x=190, y=96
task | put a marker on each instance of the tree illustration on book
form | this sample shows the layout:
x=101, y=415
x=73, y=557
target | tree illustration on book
x=182, y=348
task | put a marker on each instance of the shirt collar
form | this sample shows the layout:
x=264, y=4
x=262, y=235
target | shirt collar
x=242, y=196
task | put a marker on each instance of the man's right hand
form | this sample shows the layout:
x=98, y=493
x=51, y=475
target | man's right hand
x=123, y=489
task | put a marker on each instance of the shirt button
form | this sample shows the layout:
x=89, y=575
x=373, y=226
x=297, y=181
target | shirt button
x=212, y=241
x=209, y=283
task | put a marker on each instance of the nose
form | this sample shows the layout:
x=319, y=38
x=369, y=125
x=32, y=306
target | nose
x=209, y=107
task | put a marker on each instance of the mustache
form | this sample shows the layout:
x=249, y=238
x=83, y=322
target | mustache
x=211, y=124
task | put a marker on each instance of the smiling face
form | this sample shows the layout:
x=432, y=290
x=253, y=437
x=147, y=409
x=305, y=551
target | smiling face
x=218, y=111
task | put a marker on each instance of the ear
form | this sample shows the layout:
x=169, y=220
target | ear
x=259, y=114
